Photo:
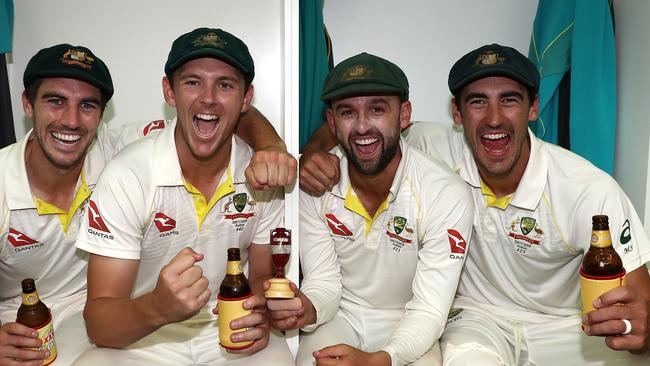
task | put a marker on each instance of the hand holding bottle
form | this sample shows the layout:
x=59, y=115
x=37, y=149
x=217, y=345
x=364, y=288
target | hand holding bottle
x=15, y=343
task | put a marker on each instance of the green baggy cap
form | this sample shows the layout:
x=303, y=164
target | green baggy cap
x=493, y=60
x=68, y=61
x=365, y=74
x=213, y=43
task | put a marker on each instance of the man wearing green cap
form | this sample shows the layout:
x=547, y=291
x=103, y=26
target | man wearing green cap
x=163, y=215
x=382, y=252
x=45, y=181
x=518, y=300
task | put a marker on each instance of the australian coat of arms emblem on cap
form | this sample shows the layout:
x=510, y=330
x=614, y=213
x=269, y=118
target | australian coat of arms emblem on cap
x=77, y=57
x=210, y=39
x=489, y=58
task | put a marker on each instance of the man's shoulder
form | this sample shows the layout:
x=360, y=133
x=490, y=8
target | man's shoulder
x=11, y=160
x=133, y=132
x=570, y=168
x=444, y=141
x=8, y=153
x=427, y=169
x=137, y=159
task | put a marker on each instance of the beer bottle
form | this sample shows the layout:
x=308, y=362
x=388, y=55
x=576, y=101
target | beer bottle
x=34, y=314
x=234, y=290
x=602, y=268
x=601, y=259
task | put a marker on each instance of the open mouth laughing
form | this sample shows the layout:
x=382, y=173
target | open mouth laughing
x=205, y=125
x=496, y=143
x=366, y=146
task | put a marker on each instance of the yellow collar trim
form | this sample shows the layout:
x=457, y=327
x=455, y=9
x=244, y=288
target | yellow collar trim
x=201, y=204
x=353, y=204
x=81, y=195
x=492, y=200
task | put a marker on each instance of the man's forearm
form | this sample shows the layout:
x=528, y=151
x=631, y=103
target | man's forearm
x=117, y=323
x=258, y=132
x=321, y=140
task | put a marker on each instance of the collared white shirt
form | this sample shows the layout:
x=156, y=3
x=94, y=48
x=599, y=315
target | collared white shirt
x=141, y=209
x=527, y=255
x=407, y=258
x=37, y=246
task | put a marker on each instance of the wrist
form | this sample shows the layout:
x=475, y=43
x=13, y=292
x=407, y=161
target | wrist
x=380, y=358
x=310, y=315
x=153, y=310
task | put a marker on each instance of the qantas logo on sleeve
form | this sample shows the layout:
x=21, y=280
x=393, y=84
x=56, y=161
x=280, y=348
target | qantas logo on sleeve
x=96, y=222
x=336, y=226
x=165, y=224
x=457, y=244
x=155, y=125
x=18, y=239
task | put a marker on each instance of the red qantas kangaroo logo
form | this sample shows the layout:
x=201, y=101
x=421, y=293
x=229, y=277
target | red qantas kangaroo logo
x=456, y=241
x=155, y=125
x=164, y=222
x=336, y=226
x=94, y=218
x=18, y=239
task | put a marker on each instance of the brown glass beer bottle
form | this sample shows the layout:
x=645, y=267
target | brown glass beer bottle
x=34, y=314
x=234, y=290
x=601, y=259
x=602, y=268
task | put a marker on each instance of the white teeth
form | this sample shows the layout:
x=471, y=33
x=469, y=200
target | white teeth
x=207, y=117
x=367, y=141
x=66, y=137
x=494, y=136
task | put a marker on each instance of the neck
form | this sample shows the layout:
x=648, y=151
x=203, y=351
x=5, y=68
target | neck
x=203, y=174
x=53, y=184
x=501, y=186
x=373, y=189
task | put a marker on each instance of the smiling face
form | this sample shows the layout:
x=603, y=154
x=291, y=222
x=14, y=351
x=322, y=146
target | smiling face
x=494, y=112
x=368, y=129
x=66, y=114
x=209, y=95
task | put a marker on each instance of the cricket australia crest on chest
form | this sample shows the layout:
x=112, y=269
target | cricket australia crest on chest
x=238, y=209
x=524, y=232
x=399, y=232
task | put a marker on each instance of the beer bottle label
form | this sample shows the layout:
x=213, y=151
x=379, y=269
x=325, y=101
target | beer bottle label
x=30, y=298
x=46, y=335
x=601, y=238
x=233, y=267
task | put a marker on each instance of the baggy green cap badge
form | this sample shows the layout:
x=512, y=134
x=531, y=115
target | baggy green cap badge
x=68, y=61
x=213, y=43
x=493, y=60
x=365, y=74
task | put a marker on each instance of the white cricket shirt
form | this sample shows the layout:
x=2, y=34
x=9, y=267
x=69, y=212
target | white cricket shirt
x=37, y=245
x=141, y=209
x=406, y=259
x=526, y=255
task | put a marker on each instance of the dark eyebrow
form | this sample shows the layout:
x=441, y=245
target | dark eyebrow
x=59, y=96
x=53, y=95
x=507, y=94
x=91, y=100
x=379, y=100
x=474, y=96
x=512, y=94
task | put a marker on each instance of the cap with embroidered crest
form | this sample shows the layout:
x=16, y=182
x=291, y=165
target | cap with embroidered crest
x=213, y=43
x=68, y=61
x=493, y=60
x=365, y=74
